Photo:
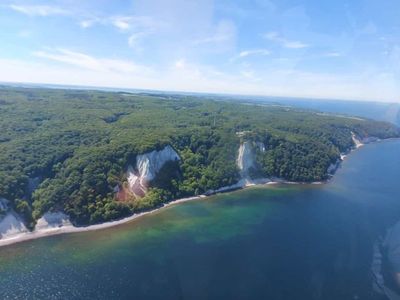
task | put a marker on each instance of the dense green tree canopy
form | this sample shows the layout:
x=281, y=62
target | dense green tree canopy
x=78, y=145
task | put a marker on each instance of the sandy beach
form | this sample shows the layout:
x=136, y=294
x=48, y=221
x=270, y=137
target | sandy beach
x=26, y=236
x=40, y=233
x=50, y=231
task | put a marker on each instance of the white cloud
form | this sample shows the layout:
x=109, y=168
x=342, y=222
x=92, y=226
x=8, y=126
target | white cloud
x=180, y=64
x=38, y=10
x=134, y=23
x=333, y=54
x=254, y=52
x=294, y=45
x=248, y=74
x=276, y=37
x=135, y=38
x=88, y=62
x=137, y=27
x=88, y=23
x=246, y=53
x=122, y=23
x=185, y=76
x=225, y=32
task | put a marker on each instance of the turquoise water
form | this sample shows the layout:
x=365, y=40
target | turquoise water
x=275, y=242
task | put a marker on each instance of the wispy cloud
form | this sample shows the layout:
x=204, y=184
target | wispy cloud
x=136, y=27
x=250, y=75
x=246, y=53
x=122, y=23
x=333, y=54
x=38, y=10
x=135, y=38
x=276, y=37
x=254, y=52
x=225, y=32
x=125, y=23
x=86, y=61
x=183, y=46
x=88, y=22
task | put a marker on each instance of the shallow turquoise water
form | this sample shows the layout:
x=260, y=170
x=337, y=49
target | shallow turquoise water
x=275, y=242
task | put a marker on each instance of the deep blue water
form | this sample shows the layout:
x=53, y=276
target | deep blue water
x=276, y=242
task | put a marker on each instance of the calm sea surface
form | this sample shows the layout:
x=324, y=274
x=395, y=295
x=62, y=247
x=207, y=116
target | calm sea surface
x=277, y=242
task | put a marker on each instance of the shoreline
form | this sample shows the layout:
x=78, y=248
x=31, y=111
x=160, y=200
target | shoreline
x=47, y=232
x=243, y=184
x=36, y=234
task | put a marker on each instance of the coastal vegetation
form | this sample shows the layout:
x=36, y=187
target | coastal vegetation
x=68, y=150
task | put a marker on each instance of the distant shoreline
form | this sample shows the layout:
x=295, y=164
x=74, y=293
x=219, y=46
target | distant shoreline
x=27, y=236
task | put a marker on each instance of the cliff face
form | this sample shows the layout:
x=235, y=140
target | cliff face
x=246, y=157
x=52, y=220
x=10, y=223
x=358, y=142
x=147, y=167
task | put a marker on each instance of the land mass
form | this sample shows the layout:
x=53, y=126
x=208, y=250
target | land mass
x=76, y=158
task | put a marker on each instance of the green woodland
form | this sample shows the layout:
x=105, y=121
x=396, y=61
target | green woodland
x=66, y=150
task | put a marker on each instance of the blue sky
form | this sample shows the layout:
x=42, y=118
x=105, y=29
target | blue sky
x=307, y=48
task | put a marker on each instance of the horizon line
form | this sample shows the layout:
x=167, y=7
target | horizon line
x=178, y=92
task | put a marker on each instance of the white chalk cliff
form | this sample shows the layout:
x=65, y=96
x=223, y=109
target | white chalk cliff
x=245, y=161
x=356, y=140
x=245, y=158
x=147, y=167
x=11, y=224
x=359, y=142
x=51, y=220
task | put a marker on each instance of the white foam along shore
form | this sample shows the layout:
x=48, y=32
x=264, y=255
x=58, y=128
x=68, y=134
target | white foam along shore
x=64, y=226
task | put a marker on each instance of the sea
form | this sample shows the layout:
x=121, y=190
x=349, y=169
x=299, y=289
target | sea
x=283, y=241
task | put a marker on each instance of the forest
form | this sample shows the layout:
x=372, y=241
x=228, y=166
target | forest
x=66, y=150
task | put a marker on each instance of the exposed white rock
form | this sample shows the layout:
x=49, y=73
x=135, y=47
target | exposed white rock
x=357, y=142
x=11, y=225
x=134, y=182
x=147, y=167
x=245, y=159
x=52, y=220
